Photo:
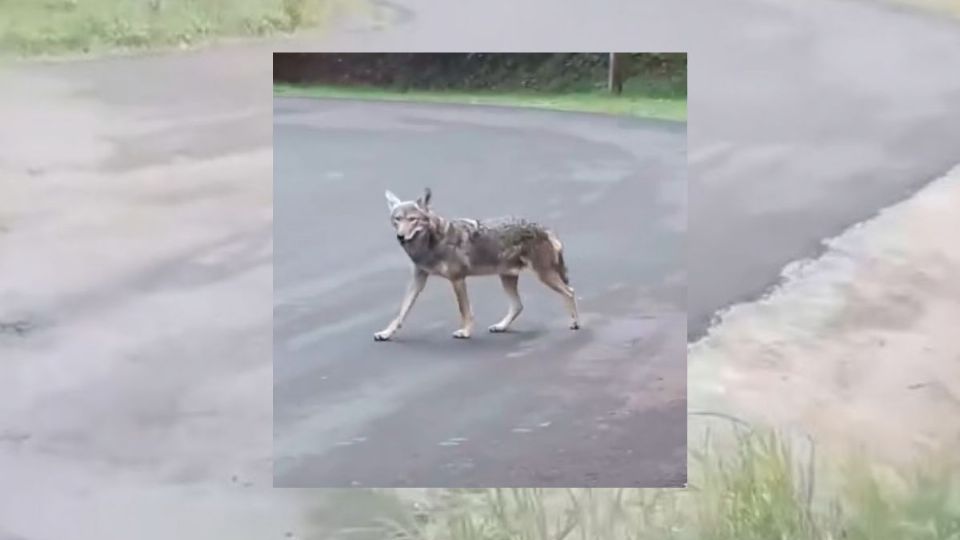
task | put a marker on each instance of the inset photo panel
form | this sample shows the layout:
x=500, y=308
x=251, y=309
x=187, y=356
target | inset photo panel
x=479, y=273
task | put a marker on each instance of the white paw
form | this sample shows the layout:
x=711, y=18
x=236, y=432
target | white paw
x=497, y=328
x=383, y=336
x=575, y=325
x=462, y=334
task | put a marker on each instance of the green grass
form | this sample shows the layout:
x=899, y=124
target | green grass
x=947, y=7
x=57, y=27
x=635, y=101
x=756, y=488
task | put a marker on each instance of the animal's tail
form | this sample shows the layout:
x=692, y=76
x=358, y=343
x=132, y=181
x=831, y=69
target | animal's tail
x=558, y=250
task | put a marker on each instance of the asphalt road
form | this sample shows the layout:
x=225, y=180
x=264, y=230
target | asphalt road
x=805, y=117
x=539, y=406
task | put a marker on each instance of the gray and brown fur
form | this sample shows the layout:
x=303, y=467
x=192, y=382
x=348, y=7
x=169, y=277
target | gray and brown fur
x=458, y=248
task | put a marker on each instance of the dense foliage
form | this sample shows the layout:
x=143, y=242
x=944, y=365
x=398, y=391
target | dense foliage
x=473, y=71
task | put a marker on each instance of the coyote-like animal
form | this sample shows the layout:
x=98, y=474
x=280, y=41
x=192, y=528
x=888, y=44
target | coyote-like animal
x=457, y=248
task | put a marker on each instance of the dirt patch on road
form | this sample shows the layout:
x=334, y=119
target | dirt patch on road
x=858, y=347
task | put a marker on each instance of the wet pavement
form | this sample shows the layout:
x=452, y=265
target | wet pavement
x=539, y=406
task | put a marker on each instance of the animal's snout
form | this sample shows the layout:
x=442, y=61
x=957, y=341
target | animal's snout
x=400, y=238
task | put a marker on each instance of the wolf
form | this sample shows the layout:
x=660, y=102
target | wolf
x=459, y=248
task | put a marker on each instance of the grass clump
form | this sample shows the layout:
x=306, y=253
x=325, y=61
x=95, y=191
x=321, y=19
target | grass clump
x=753, y=488
x=759, y=493
x=45, y=27
x=921, y=505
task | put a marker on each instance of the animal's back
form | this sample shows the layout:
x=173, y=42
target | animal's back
x=509, y=244
x=513, y=232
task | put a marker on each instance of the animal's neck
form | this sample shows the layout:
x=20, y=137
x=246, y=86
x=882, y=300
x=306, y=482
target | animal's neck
x=437, y=225
x=419, y=248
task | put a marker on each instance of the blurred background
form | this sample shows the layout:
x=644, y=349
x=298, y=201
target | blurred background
x=136, y=281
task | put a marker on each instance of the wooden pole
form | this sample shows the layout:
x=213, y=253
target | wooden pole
x=615, y=72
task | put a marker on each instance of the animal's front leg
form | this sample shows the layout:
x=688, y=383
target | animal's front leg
x=413, y=290
x=466, y=316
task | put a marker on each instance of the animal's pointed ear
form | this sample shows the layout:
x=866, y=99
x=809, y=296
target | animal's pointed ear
x=392, y=200
x=424, y=200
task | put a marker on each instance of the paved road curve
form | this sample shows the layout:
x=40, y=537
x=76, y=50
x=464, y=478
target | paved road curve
x=805, y=117
x=541, y=405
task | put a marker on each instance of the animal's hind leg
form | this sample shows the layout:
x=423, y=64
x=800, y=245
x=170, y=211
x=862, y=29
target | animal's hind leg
x=551, y=278
x=509, y=282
